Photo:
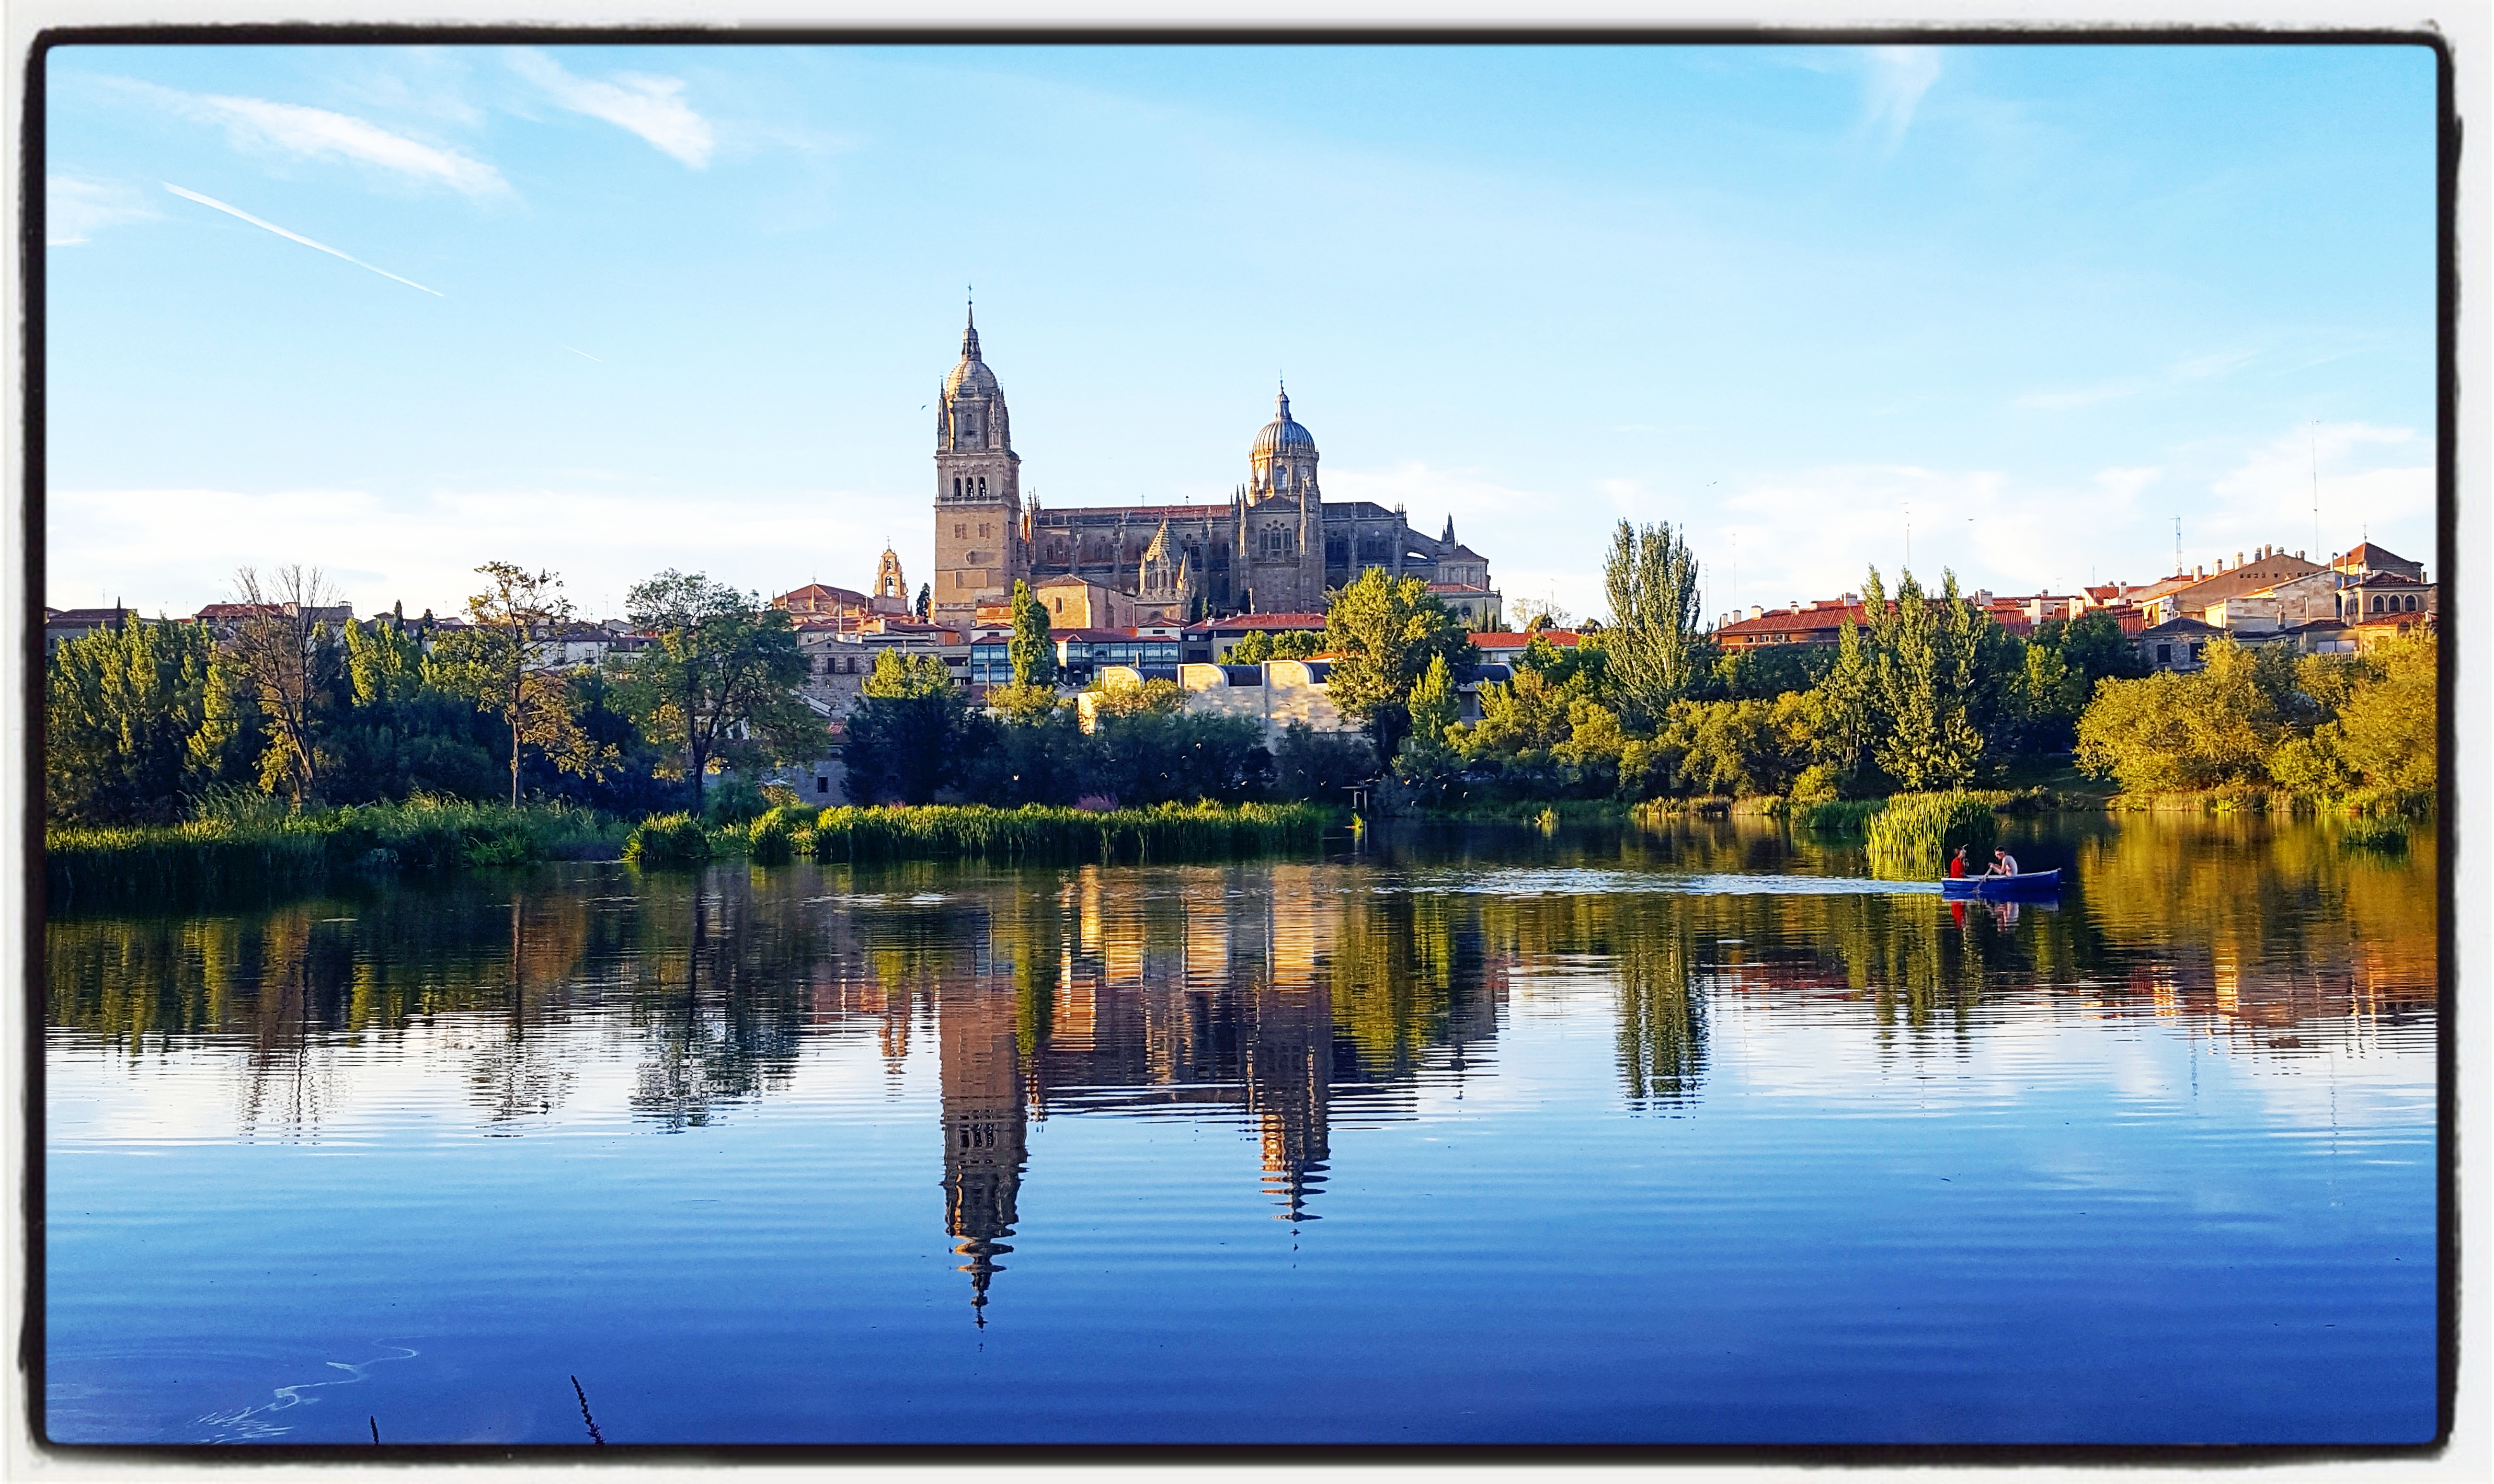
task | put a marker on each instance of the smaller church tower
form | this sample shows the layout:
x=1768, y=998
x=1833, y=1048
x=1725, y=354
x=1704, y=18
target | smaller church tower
x=890, y=589
x=979, y=548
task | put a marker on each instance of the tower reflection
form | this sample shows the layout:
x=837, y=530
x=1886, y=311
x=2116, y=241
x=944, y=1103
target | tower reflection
x=1252, y=995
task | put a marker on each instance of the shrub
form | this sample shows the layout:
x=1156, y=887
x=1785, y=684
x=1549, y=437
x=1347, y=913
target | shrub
x=668, y=839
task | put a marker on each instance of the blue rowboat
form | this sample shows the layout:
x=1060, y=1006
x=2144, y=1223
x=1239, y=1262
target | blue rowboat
x=2023, y=884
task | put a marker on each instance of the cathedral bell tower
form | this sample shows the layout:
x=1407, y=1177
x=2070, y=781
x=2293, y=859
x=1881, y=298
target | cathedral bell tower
x=978, y=491
x=1281, y=519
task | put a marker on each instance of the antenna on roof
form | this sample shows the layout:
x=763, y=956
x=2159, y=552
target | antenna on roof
x=2316, y=484
x=2177, y=546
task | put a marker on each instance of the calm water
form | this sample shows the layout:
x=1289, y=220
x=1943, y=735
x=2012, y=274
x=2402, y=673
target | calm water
x=1612, y=1136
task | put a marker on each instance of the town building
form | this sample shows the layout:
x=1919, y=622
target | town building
x=840, y=653
x=819, y=600
x=63, y=624
x=1275, y=546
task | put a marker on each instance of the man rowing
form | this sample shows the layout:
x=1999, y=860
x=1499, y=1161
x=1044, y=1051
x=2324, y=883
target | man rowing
x=2003, y=864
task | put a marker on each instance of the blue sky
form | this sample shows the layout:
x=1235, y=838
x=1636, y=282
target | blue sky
x=611, y=309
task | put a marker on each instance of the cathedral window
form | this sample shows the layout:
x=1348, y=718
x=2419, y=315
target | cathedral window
x=983, y=494
x=957, y=486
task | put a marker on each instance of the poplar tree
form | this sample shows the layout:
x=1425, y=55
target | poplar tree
x=1032, y=652
x=1656, y=648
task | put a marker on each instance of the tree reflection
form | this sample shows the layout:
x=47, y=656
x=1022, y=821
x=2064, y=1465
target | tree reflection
x=1286, y=1001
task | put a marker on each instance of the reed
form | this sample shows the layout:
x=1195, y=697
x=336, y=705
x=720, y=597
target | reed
x=665, y=840
x=1042, y=833
x=2386, y=833
x=1836, y=816
x=240, y=856
x=1913, y=837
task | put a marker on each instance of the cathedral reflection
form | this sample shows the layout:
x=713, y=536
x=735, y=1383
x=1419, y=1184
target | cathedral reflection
x=1225, y=995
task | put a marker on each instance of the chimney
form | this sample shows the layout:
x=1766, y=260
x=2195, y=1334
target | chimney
x=1756, y=612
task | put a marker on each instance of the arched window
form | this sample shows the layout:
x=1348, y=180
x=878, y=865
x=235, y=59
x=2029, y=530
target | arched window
x=982, y=487
x=957, y=488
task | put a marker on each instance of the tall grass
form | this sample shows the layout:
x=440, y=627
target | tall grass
x=668, y=839
x=1836, y=816
x=1914, y=836
x=242, y=852
x=1169, y=831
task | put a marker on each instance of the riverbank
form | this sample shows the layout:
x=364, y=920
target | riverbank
x=210, y=862
x=1039, y=833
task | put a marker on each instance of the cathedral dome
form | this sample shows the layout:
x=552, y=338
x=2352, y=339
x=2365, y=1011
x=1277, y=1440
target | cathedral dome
x=1282, y=436
x=971, y=375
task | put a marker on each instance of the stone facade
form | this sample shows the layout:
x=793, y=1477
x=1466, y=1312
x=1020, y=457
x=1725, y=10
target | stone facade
x=978, y=491
x=1275, y=546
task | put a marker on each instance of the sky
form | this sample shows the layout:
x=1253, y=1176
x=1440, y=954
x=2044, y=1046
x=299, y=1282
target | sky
x=2009, y=312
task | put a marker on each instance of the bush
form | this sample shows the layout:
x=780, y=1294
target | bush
x=1912, y=838
x=735, y=801
x=668, y=839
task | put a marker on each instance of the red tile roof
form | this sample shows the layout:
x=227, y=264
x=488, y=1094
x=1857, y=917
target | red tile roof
x=1564, y=639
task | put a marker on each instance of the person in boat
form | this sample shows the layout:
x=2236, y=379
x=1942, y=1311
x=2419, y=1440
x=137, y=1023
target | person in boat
x=1957, y=864
x=2003, y=864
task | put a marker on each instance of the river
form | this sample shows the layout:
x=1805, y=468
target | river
x=1607, y=1134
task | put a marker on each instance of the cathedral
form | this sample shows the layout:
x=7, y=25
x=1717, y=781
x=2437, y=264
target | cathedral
x=1276, y=546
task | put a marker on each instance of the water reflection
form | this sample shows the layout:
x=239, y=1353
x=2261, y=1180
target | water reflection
x=1713, y=1033
x=1283, y=998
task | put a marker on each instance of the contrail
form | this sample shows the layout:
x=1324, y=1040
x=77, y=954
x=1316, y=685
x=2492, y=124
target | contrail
x=583, y=354
x=236, y=211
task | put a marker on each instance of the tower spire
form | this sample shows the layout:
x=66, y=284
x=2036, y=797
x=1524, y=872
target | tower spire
x=970, y=327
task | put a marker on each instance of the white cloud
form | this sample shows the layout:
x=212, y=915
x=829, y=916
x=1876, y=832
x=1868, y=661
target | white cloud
x=75, y=210
x=175, y=549
x=2372, y=482
x=1894, y=86
x=652, y=107
x=259, y=125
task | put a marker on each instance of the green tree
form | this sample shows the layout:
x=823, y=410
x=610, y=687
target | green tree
x=1916, y=690
x=1030, y=649
x=385, y=662
x=2175, y=731
x=717, y=681
x=120, y=709
x=906, y=736
x=507, y=661
x=1426, y=753
x=1655, y=645
x=1384, y=630
x=2381, y=731
x=1744, y=748
x=1290, y=644
x=925, y=608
